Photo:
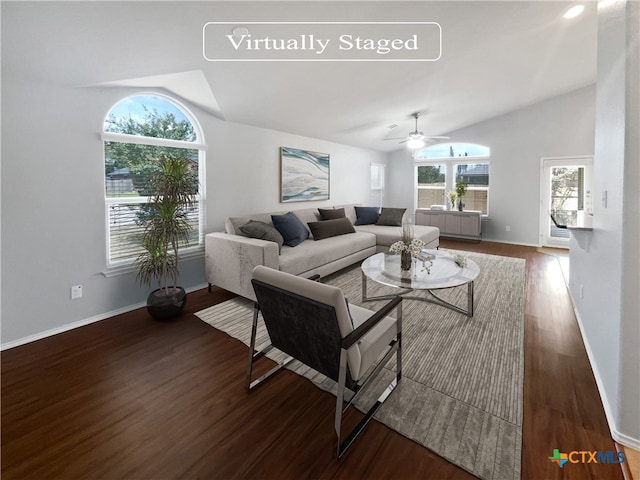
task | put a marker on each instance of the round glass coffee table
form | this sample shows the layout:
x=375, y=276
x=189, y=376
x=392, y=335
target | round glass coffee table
x=439, y=272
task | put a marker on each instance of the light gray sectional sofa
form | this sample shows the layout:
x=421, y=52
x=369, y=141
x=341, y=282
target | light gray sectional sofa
x=231, y=256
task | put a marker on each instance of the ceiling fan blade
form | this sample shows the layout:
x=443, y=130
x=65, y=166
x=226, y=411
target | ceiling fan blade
x=396, y=138
x=417, y=135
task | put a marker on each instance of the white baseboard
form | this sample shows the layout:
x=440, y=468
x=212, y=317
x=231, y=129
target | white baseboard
x=69, y=326
x=627, y=441
x=615, y=434
x=511, y=243
x=81, y=323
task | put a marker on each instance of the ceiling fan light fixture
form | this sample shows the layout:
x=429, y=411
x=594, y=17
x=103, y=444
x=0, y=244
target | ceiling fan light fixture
x=415, y=143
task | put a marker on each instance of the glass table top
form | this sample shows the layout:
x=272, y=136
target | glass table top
x=443, y=272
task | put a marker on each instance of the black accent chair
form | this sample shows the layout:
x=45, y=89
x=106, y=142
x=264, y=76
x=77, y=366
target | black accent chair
x=312, y=322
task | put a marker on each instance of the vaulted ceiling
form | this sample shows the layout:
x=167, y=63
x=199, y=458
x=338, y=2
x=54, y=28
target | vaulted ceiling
x=496, y=57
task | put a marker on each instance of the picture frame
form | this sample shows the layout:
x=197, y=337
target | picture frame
x=304, y=175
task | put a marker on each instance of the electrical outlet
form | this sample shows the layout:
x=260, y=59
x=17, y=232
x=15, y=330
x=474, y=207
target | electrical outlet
x=508, y=228
x=76, y=292
x=581, y=291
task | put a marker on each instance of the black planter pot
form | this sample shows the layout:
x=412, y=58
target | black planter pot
x=163, y=307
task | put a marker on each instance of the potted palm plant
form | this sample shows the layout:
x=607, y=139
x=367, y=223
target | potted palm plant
x=173, y=188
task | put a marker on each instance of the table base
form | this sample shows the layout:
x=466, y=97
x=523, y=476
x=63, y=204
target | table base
x=432, y=299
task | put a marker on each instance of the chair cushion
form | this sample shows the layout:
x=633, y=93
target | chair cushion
x=291, y=228
x=363, y=354
x=373, y=344
x=331, y=228
x=320, y=292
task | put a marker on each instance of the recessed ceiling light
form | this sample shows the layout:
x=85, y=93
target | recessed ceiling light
x=573, y=12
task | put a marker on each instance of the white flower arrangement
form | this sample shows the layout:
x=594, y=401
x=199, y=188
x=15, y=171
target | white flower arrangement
x=452, y=196
x=414, y=247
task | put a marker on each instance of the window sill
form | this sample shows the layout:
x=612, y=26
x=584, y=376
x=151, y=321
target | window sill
x=192, y=253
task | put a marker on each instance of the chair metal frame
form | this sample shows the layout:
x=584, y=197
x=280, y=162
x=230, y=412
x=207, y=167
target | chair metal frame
x=340, y=374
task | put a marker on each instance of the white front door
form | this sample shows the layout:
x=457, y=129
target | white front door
x=565, y=190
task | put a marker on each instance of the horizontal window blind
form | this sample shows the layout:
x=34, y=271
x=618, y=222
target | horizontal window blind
x=125, y=231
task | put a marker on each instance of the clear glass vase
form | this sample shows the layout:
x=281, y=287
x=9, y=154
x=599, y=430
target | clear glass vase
x=407, y=231
x=405, y=261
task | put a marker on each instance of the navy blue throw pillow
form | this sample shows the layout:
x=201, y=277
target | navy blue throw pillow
x=291, y=228
x=367, y=215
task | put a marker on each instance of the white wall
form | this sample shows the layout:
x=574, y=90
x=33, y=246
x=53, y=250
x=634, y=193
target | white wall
x=606, y=262
x=243, y=170
x=53, y=214
x=561, y=126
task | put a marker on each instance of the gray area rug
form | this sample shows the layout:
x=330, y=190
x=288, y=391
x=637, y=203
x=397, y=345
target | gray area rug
x=462, y=380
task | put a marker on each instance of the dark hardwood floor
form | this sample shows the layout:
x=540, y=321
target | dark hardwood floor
x=130, y=397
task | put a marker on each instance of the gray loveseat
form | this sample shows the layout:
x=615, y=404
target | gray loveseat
x=231, y=256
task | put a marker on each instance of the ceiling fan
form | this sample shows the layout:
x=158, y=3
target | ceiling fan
x=417, y=139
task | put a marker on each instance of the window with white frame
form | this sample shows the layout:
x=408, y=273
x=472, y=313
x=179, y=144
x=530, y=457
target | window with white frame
x=431, y=186
x=377, y=184
x=137, y=131
x=439, y=167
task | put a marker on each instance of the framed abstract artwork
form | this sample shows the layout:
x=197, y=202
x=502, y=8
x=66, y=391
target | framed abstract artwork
x=304, y=175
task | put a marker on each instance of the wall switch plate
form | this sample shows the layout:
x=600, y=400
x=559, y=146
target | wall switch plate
x=76, y=291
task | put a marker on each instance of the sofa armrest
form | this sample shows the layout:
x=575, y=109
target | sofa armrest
x=230, y=260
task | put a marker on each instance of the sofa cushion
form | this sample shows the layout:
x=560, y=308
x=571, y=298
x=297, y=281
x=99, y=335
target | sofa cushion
x=349, y=212
x=331, y=213
x=391, y=216
x=311, y=254
x=367, y=215
x=263, y=231
x=331, y=228
x=386, y=235
x=291, y=228
x=307, y=215
x=232, y=224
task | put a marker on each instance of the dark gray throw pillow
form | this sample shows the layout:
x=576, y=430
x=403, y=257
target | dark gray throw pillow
x=331, y=228
x=391, y=216
x=331, y=213
x=367, y=215
x=263, y=231
x=291, y=228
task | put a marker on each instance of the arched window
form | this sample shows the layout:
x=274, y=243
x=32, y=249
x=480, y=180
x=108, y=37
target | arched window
x=138, y=130
x=453, y=150
x=439, y=167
